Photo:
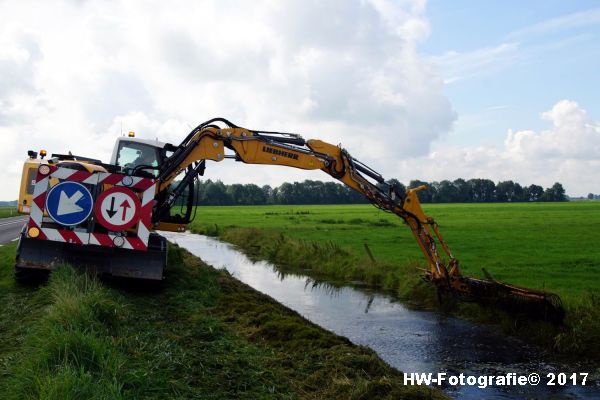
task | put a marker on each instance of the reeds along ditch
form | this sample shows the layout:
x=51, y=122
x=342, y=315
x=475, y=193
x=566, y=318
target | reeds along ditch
x=327, y=260
x=579, y=337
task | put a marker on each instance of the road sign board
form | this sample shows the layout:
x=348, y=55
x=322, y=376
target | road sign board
x=69, y=203
x=118, y=208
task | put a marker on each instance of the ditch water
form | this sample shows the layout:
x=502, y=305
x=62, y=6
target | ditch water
x=408, y=339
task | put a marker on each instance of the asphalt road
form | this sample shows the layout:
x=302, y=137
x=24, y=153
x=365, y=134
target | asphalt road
x=11, y=227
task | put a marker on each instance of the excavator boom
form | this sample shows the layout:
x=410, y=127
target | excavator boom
x=209, y=142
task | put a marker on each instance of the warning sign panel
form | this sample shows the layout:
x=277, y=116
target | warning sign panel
x=117, y=209
x=69, y=203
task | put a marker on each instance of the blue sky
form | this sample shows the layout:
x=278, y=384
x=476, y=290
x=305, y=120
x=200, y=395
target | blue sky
x=552, y=53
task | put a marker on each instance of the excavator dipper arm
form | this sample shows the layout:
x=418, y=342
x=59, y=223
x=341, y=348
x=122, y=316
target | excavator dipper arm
x=209, y=140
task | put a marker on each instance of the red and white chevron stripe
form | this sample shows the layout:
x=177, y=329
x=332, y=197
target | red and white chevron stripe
x=145, y=187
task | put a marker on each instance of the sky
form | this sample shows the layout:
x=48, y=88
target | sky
x=417, y=90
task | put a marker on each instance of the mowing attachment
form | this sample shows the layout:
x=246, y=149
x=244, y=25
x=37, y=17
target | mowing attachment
x=444, y=273
x=535, y=304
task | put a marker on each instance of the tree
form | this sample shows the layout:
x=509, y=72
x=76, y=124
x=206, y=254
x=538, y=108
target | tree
x=299, y=195
x=590, y=196
x=483, y=190
x=216, y=194
x=254, y=195
x=463, y=191
x=330, y=193
x=554, y=193
x=285, y=193
x=519, y=193
x=312, y=192
x=268, y=193
x=535, y=192
x=445, y=192
x=236, y=193
x=505, y=191
x=317, y=192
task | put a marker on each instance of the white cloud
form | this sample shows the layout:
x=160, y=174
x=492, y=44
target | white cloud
x=343, y=71
x=458, y=66
x=567, y=152
x=567, y=21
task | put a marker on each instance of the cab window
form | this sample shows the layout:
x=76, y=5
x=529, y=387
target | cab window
x=132, y=154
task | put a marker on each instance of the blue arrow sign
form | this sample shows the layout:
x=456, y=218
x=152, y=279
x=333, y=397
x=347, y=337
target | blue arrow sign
x=69, y=203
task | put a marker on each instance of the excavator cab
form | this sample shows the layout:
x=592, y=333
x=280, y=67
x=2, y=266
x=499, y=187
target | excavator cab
x=137, y=156
x=143, y=157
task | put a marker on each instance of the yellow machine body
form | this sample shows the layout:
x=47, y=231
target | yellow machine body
x=211, y=141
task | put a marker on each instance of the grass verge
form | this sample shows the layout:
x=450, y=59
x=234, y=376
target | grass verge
x=6, y=212
x=202, y=335
x=580, y=337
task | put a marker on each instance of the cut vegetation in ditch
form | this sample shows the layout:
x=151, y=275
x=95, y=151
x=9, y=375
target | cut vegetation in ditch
x=202, y=335
x=560, y=257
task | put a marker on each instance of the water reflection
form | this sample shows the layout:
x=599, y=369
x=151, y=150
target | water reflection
x=410, y=340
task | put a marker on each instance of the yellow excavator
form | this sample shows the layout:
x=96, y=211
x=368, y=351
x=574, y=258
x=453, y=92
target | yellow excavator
x=105, y=216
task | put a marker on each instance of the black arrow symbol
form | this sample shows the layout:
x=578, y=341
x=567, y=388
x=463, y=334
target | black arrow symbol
x=112, y=210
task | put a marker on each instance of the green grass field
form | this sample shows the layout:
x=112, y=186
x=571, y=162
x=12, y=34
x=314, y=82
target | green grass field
x=555, y=246
x=8, y=212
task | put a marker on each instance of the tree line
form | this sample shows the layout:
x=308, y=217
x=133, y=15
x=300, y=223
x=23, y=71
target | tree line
x=317, y=192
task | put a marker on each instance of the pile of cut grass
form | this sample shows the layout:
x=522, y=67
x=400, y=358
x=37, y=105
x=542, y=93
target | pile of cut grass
x=317, y=363
x=202, y=335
